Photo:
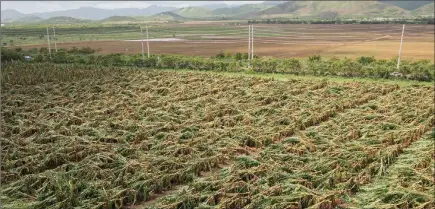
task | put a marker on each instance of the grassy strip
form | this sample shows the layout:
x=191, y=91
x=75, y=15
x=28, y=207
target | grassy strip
x=337, y=79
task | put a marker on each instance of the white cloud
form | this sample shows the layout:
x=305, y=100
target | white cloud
x=47, y=6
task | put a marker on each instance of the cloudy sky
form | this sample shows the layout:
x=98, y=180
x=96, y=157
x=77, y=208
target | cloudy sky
x=46, y=6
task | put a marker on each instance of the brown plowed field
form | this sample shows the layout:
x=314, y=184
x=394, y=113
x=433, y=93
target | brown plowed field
x=381, y=41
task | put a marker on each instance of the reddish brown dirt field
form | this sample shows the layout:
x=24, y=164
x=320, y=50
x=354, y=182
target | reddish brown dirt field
x=380, y=41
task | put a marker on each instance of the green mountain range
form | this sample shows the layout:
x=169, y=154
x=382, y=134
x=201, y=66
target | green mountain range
x=329, y=9
x=426, y=10
x=408, y=5
x=196, y=12
x=62, y=20
x=241, y=10
x=164, y=16
x=315, y=9
x=264, y=10
x=115, y=19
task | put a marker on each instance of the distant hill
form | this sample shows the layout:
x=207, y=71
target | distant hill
x=272, y=3
x=10, y=15
x=165, y=16
x=29, y=19
x=426, y=10
x=408, y=5
x=243, y=9
x=93, y=13
x=63, y=20
x=215, y=6
x=119, y=19
x=328, y=9
x=264, y=10
x=194, y=12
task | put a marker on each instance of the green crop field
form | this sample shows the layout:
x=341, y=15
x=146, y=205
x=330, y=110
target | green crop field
x=93, y=136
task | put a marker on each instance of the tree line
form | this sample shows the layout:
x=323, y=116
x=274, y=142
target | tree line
x=369, y=67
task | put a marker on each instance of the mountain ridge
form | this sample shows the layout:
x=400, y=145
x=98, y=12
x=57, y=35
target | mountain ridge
x=91, y=13
x=329, y=9
x=264, y=10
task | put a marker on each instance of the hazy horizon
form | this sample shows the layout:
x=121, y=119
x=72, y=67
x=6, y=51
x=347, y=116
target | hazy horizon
x=28, y=7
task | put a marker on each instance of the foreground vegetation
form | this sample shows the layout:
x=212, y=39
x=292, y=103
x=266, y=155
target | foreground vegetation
x=407, y=182
x=363, y=67
x=77, y=135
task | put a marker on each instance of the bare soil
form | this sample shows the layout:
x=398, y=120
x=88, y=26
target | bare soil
x=381, y=41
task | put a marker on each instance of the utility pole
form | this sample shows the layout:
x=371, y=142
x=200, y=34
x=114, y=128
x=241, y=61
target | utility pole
x=249, y=43
x=54, y=37
x=400, y=49
x=148, y=45
x=143, y=56
x=48, y=42
x=252, y=41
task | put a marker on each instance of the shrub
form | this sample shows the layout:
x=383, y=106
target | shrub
x=86, y=50
x=314, y=58
x=265, y=66
x=40, y=58
x=245, y=56
x=92, y=59
x=289, y=66
x=33, y=51
x=10, y=55
x=238, y=56
x=73, y=50
x=422, y=70
x=150, y=62
x=167, y=62
x=366, y=60
x=220, y=55
x=60, y=57
x=43, y=50
x=112, y=59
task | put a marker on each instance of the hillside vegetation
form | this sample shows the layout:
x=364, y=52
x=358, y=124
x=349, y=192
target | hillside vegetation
x=30, y=19
x=62, y=20
x=265, y=10
x=119, y=19
x=408, y=5
x=426, y=10
x=165, y=16
x=329, y=9
x=247, y=8
x=194, y=12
